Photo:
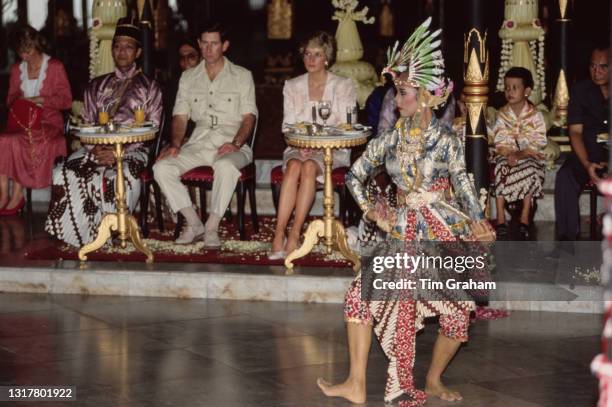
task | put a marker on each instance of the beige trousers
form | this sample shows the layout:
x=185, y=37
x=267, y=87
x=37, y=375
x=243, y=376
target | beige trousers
x=168, y=173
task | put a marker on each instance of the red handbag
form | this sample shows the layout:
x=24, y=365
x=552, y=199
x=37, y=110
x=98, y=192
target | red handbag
x=23, y=116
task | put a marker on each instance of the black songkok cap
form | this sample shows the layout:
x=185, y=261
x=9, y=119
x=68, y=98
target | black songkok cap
x=126, y=27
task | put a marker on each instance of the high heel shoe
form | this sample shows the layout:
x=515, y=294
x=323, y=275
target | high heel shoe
x=13, y=211
x=279, y=255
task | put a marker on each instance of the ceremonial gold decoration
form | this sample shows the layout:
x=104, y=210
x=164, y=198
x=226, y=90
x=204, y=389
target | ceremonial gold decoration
x=89, y=138
x=474, y=111
x=121, y=222
x=105, y=14
x=350, y=49
x=386, y=20
x=305, y=141
x=328, y=228
x=561, y=101
x=280, y=20
x=140, y=7
x=563, y=8
x=523, y=44
x=476, y=80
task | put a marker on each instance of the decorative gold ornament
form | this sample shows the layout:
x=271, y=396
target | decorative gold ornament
x=474, y=111
x=476, y=80
x=474, y=72
x=523, y=39
x=318, y=142
x=140, y=7
x=280, y=20
x=482, y=44
x=105, y=14
x=386, y=20
x=563, y=8
x=350, y=48
x=561, y=101
x=88, y=138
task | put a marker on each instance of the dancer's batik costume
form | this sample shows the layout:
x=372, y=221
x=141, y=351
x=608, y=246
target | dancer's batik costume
x=424, y=165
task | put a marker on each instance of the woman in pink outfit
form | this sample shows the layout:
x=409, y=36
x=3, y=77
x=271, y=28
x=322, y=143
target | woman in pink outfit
x=33, y=138
x=302, y=167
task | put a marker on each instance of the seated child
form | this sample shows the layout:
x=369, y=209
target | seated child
x=519, y=136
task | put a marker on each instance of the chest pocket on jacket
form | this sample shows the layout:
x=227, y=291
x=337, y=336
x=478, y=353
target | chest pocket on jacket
x=228, y=102
x=199, y=104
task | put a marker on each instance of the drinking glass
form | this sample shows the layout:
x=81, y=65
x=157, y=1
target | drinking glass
x=103, y=117
x=313, y=112
x=325, y=110
x=351, y=114
x=139, y=115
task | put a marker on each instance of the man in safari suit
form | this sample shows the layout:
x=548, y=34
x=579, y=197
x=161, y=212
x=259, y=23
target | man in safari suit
x=220, y=98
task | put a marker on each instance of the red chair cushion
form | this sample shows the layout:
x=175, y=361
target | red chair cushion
x=207, y=174
x=338, y=175
x=276, y=175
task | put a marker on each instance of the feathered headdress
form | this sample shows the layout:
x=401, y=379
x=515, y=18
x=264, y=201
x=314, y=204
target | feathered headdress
x=422, y=59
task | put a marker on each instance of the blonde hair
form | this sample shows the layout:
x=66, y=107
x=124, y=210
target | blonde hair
x=323, y=40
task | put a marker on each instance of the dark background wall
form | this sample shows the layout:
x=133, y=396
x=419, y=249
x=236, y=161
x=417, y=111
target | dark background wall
x=250, y=46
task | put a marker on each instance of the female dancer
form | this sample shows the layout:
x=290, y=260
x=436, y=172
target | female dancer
x=424, y=159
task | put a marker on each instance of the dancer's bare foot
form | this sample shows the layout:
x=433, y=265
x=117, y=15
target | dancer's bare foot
x=441, y=391
x=350, y=390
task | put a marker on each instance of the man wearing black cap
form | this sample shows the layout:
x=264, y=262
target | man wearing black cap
x=84, y=185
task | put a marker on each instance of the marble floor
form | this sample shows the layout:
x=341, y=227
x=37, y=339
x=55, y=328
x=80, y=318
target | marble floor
x=136, y=351
x=133, y=351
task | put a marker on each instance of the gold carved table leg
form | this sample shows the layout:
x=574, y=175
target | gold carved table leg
x=121, y=222
x=328, y=228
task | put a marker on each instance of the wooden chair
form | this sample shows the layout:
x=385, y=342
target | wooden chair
x=147, y=182
x=593, y=191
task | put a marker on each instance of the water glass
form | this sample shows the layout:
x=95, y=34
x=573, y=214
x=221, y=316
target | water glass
x=325, y=110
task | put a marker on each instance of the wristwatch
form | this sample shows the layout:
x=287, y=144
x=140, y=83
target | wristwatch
x=236, y=143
